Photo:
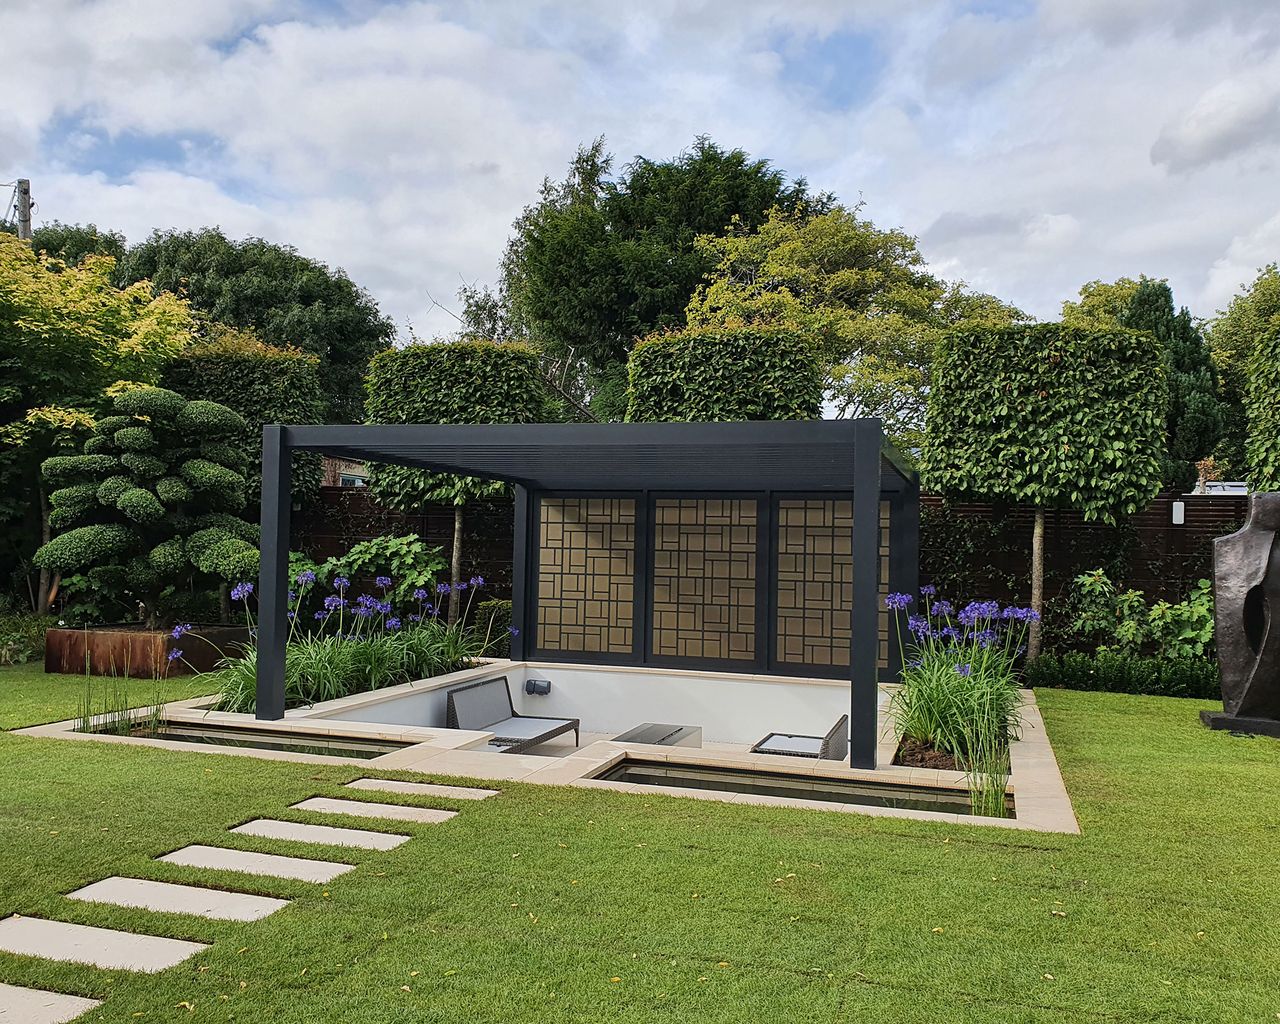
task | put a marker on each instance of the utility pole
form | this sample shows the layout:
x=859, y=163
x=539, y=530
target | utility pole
x=24, y=209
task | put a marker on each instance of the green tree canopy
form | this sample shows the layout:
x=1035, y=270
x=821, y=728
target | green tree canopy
x=288, y=299
x=71, y=243
x=861, y=294
x=1194, y=417
x=1048, y=416
x=599, y=261
x=1252, y=318
x=1262, y=402
x=152, y=501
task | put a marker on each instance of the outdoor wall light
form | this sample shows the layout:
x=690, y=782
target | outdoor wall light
x=537, y=687
x=1179, y=513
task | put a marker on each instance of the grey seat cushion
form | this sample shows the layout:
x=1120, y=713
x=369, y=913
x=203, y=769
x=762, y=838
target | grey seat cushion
x=782, y=743
x=478, y=707
x=524, y=728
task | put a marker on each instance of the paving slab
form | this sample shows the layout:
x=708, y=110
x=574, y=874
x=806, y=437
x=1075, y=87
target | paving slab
x=249, y=863
x=365, y=809
x=423, y=789
x=31, y=1006
x=179, y=899
x=98, y=947
x=268, y=828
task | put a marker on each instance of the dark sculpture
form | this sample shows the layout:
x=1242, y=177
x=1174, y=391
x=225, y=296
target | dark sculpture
x=1246, y=591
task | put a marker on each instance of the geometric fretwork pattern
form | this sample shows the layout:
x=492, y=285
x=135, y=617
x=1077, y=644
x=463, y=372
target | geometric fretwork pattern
x=586, y=574
x=882, y=659
x=704, y=578
x=815, y=581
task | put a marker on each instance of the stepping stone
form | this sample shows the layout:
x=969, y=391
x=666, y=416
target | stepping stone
x=364, y=809
x=423, y=789
x=98, y=947
x=179, y=899
x=31, y=1006
x=269, y=829
x=217, y=858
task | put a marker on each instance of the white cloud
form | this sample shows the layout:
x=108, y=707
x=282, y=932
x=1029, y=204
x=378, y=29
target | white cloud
x=1032, y=151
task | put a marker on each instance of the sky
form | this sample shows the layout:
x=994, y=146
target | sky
x=1031, y=146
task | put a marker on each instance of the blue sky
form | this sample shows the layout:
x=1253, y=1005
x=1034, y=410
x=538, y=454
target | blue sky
x=1032, y=145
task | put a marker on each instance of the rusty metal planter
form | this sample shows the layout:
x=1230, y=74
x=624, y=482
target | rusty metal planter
x=137, y=652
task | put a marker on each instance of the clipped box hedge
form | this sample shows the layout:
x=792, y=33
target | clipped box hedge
x=264, y=385
x=718, y=373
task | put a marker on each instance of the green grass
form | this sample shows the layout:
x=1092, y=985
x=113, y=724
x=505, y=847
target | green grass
x=525, y=906
x=29, y=697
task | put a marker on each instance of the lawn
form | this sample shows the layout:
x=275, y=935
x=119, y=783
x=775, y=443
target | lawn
x=555, y=904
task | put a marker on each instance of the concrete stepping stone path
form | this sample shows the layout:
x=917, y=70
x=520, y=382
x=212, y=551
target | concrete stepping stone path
x=245, y=862
x=98, y=947
x=31, y=1006
x=179, y=899
x=423, y=789
x=267, y=828
x=364, y=809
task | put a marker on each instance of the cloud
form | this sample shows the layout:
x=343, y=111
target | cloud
x=1033, y=146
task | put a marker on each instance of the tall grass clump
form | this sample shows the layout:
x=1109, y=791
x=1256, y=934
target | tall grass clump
x=353, y=645
x=959, y=692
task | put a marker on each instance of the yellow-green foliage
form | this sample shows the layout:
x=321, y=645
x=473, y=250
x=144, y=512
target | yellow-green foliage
x=724, y=374
x=1262, y=402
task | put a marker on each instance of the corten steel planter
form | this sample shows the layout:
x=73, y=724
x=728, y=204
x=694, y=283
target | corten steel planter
x=139, y=653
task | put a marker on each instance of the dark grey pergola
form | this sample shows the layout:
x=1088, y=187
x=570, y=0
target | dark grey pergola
x=830, y=459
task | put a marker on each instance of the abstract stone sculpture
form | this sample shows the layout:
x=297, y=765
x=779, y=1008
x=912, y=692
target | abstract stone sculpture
x=1246, y=591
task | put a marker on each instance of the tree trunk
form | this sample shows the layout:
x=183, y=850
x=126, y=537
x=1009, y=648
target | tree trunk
x=224, y=604
x=45, y=591
x=1037, y=585
x=455, y=595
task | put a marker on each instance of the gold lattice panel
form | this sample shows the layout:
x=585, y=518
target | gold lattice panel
x=704, y=578
x=883, y=622
x=586, y=574
x=815, y=581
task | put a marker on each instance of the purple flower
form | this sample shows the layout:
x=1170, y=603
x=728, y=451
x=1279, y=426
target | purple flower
x=174, y=654
x=415, y=618
x=364, y=611
x=986, y=637
x=929, y=591
x=381, y=606
x=964, y=670
x=919, y=625
x=305, y=577
x=321, y=615
x=180, y=630
x=383, y=582
x=976, y=610
x=513, y=631
x=291, y=615
x=365, y=601
x=897, y=602
x=333, y=602
x=443, y=588
x=429, y=609
x=950, y=632
x=1021, y=614
x=419, y=594
x=459, y=586
x=241, y=591
x=942, y=608
x=341, y=583
x=393, y=623
x=293, y=595
x=477, y=581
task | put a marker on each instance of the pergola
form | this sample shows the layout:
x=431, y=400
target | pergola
x=762, y=547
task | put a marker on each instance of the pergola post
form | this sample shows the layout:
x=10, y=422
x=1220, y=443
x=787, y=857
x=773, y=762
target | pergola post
x=520, y=574
x=273, y=574
x=904, y=559
x=864, y=640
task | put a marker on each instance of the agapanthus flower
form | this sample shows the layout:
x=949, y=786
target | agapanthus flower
x=382, y=606
x=174, y=654
x=305, y=577
x=365, y=601
x=293, y=595
x=459, y=586
x=443, y=588
x=341, y=583
x=964, y=670
x=419, y=594
x=415, y=618
x=333, y=602
x=513, y=631
x=919, y=625
x=929, y=590
x=477, y=581
x=291, y=615
x=241, y=591
x=897, y=602
x=393, y=623
x=943, y=607
x=320, y=615
x=949, y=632
x=180, y=630
x=976, y=610
x=383, y=582
x=986, y=637
x=364, y=611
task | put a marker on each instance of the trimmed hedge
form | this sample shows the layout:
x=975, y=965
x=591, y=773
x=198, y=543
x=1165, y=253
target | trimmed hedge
x=450, y=382
x=1263, y=404
x=493, y=619
x=1114, y=672
x=724, y=374
x=264, y=385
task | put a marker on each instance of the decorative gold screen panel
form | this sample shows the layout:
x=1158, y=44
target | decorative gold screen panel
x=815, y=582
x=586, y=574
x=704, y=578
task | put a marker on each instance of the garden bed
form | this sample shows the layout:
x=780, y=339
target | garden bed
x=130, y=650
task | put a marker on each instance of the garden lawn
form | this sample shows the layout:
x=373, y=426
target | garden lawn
x=556, y=904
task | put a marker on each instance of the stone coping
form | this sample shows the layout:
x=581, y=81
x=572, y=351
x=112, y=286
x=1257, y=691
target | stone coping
x=1041, y=802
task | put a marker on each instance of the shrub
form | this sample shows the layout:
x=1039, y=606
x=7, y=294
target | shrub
x=1113, y=618
x=129, y=517
x=22, y=637
x=493, y=618
x=1263, y=404
x=1125, y=672
x=724, y=374
x=264, y=385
